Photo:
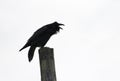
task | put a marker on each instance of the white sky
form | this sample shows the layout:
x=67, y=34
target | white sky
x=88, y=49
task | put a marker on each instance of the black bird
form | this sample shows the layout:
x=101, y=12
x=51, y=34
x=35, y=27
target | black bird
x=40, y=37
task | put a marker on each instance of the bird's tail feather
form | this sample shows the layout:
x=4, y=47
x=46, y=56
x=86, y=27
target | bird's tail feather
x=31, y=53
x=26, y=45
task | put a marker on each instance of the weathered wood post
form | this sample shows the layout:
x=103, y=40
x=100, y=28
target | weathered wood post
x=47, y=64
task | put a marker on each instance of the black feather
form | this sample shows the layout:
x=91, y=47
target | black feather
x=40, y=37
x=31, y=53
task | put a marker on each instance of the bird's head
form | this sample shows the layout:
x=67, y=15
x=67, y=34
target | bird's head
x=56, y=27
x=58, y=24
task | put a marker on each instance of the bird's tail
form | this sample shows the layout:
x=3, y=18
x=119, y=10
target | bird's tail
x=26, y=45
x=31, y=53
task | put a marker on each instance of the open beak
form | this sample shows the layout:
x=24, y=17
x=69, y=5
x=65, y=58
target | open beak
x=61, y=28
x=61, y=25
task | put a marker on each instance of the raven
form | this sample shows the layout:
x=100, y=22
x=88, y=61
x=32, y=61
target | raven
x=40, y=37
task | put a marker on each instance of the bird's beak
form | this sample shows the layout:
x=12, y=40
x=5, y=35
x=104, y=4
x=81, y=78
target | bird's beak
x=61, y=24
x=61, y=28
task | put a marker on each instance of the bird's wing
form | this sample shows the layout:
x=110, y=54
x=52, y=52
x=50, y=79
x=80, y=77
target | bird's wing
x=39, y=33
x=31, y=53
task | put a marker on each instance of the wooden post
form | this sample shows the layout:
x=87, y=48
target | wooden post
x=47, y=64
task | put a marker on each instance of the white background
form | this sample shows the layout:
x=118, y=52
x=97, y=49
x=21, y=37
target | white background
x=88, y=49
